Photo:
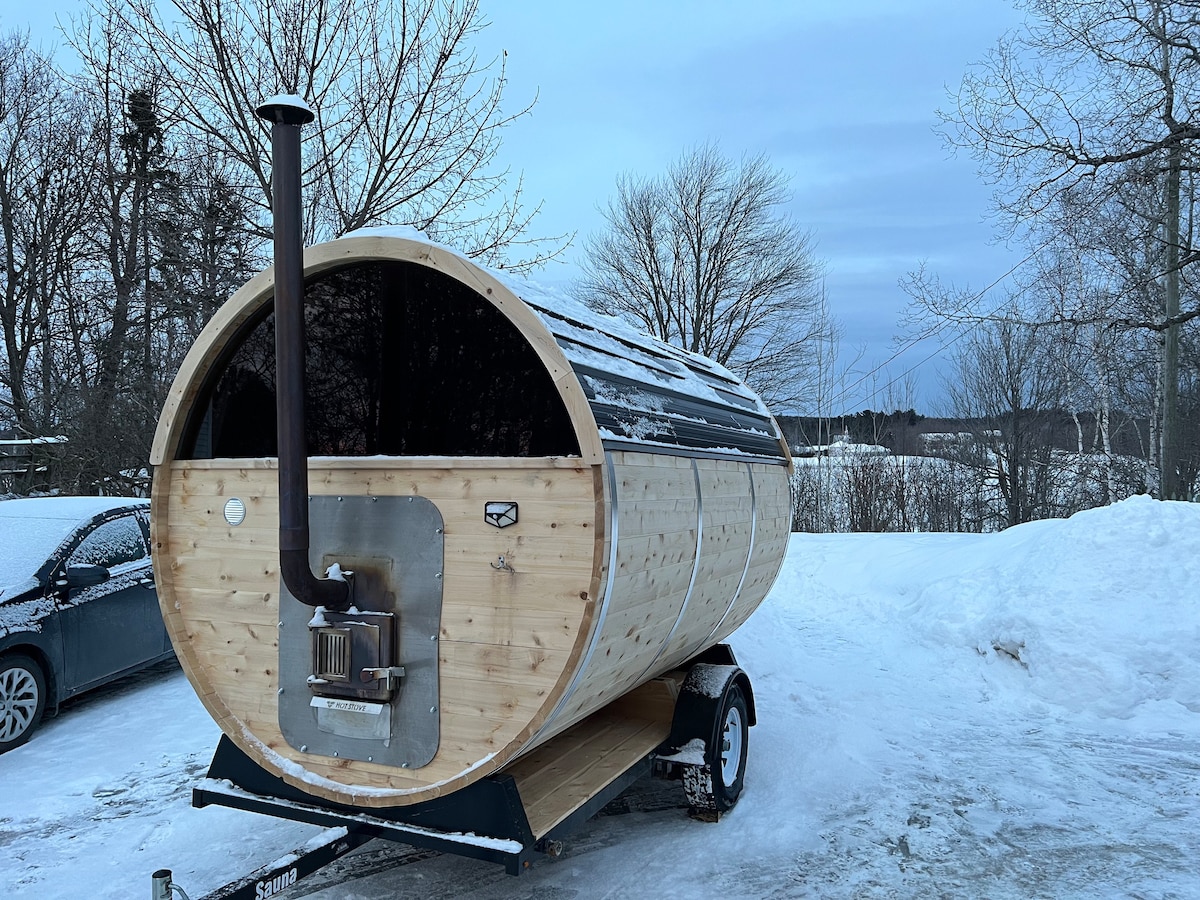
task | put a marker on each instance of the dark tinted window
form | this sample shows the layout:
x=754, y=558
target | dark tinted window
x=401, y=361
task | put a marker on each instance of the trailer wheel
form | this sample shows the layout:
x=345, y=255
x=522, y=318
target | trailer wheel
x=714, y=788
x=22, y=700
x=729, y=748
x=713, y=708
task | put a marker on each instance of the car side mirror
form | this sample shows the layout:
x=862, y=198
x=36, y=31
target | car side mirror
x=86, y=576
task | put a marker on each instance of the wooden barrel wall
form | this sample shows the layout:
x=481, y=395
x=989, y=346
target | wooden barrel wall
x=630, y=555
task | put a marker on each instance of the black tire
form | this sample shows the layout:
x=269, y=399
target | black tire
x=714, y=787
x=726, y=754
x=22, y=700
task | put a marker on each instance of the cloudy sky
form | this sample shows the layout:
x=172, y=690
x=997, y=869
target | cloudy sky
x=840, y=96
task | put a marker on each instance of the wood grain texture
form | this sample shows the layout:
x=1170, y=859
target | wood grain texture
x=508, y=640
x=560, y=776
x=511, y=640
x=657, y=508
x=673, y=568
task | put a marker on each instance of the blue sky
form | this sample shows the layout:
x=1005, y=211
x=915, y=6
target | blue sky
x=841, y=97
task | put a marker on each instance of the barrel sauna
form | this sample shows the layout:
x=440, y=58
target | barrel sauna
x=541, y=507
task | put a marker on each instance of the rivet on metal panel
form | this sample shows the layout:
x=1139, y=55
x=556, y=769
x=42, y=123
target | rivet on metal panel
x=335, y=753
x=433, y=637
x=438, y=575
x=280, y=691
x=280, y=624
x=339, y=499
x=404, y=765
x=437, y=531
x=370, y=759
x=304, y=748
x=433, y=709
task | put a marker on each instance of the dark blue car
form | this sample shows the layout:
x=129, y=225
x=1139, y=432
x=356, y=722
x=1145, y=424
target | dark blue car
x=78, y=605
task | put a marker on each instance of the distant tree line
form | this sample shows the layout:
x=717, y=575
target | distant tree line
x=902, y=471
x=909, y=433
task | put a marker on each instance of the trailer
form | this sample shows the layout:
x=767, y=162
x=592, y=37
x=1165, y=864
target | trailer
x=530, y=808
x=446, y=555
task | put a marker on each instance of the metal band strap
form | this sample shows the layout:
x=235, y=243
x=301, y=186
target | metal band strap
x=605, y=600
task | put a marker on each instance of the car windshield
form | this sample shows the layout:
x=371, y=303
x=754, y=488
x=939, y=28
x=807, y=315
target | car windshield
x=27, y=542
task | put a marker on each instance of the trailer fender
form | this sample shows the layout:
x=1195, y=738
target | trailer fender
x=709, y=737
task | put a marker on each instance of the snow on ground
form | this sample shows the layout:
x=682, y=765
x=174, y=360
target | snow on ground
x=1006, y=715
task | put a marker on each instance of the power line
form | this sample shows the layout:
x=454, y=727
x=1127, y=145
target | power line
x=946, y=322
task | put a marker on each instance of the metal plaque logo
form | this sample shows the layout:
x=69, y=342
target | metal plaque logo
x=500, y=513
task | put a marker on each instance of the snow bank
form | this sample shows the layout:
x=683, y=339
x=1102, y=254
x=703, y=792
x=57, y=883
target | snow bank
x=1097, y=610
x=1094, y=614
x=898, y=752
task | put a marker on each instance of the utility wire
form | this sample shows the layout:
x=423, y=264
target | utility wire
x=946, y=322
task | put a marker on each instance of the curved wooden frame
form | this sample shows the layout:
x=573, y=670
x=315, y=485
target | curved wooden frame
x=250, y=298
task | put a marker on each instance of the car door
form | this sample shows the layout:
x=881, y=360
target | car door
x=116, y=625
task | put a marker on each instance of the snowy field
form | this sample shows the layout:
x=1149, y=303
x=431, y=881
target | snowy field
x=1007, y=716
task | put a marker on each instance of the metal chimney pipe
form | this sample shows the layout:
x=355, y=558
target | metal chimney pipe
x=287, y=113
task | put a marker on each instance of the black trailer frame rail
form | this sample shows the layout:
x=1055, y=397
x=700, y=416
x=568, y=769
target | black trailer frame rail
x=485, y=820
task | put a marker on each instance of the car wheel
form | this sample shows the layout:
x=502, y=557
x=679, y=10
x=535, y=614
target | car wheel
x=22, y=700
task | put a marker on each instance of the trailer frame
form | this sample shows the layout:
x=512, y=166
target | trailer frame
x=673, y=731
x=485, y=820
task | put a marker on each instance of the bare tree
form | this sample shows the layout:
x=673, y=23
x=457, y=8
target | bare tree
x=1004, y=381
x=870, y=493
x=409, y=119
x=133, y=194
x=1091, y=97
x=152, y=251
x=42, y=213
x=166, y=166
x=112, y=312
x=203, y=253
x=704, y=258
x=857, y=492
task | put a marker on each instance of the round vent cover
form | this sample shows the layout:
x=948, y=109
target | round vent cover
x=235, y=511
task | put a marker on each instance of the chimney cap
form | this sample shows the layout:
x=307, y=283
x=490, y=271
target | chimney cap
x=288, y=109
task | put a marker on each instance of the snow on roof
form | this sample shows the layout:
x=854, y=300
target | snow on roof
x=72, y=509
x=31, y=442
x=32, y=529
x=646, y=392
x=841, y=448
x=643, y=391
